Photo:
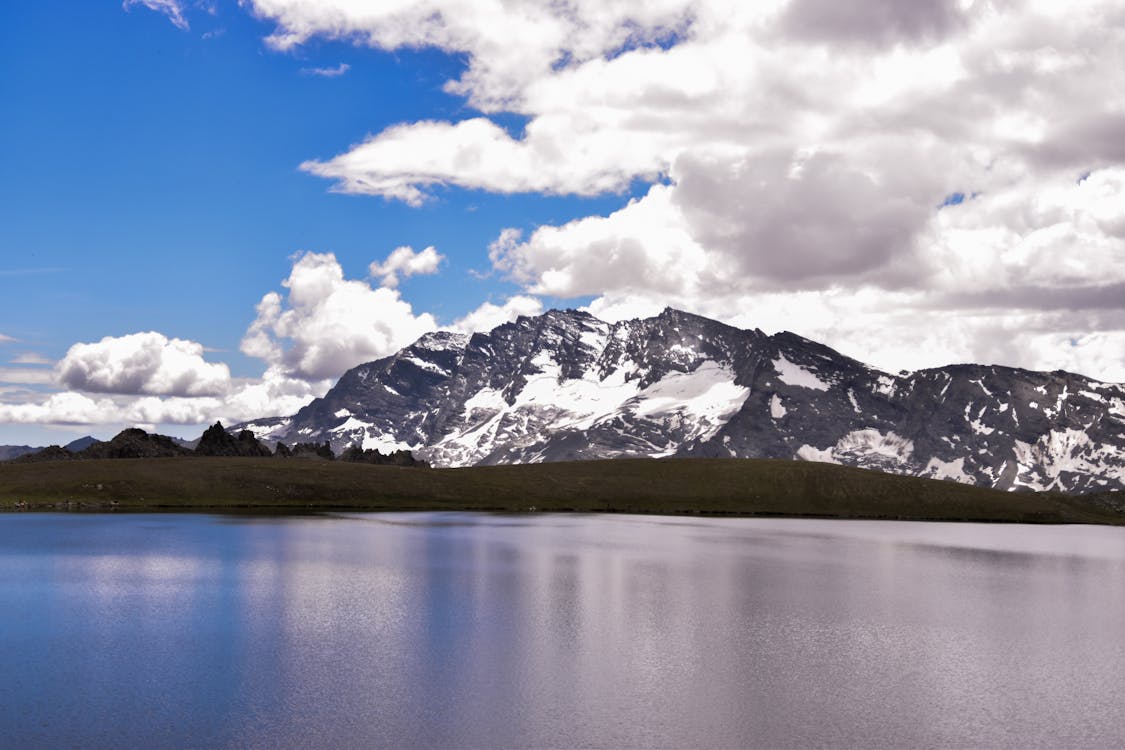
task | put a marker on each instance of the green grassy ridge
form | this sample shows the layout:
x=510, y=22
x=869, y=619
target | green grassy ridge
x=666, y=486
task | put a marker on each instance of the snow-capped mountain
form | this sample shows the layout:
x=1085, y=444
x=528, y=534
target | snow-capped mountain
x=565, y=385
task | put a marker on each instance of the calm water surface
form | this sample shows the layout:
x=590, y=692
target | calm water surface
x=460, y=630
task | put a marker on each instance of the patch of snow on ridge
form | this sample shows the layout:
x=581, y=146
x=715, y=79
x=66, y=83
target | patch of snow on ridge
x=697, y=403
x=427, y=366
x=980, y=428
x=351, y=425
x=442, y=341
x=792, y=373
x=268, y=431
x=809, y=453
x=955, y=470
x=708, y=395
x=342, y=413
x=1069, y=450
x=385, y=444
x=871, y=442
x=886, y=385
x=777, y=409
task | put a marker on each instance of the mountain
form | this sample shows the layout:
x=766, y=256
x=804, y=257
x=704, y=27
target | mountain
x=81, y=444
x=565, y=385
x=8, y=452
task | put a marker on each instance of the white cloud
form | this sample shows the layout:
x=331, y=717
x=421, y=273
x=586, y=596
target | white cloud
x=404, y=262
x=31, y=358
x=326, y=324
x=26, y=376
x=335, y=72
x=805, y=161
x=174, y=9
x=142, y=363
x=489, y=315
x=6, y=339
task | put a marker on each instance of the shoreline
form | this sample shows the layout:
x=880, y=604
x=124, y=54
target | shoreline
x=684, y=487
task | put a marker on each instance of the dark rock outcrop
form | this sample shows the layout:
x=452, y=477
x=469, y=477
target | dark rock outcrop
x=356, y=454
x=216, y=441
x=134, y=443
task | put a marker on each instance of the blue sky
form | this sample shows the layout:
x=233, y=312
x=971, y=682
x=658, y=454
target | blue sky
x=169, y=163
x=151, y=180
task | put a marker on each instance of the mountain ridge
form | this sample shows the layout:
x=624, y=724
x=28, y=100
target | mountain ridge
x=566, y=385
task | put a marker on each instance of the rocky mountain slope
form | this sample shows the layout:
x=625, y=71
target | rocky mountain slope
x=565, y=385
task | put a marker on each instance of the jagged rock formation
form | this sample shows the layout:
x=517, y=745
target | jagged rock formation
x=565, y=385
x=356, y=454
x=134, y=443
x=216, y=441
x=50, y=453
x=321, y=451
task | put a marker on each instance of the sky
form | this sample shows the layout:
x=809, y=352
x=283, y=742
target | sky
x=211, y=209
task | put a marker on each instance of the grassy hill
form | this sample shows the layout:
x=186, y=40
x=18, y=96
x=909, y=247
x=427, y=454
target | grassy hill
x=672, y=486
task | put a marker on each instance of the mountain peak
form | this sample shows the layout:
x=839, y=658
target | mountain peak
x=565, y=385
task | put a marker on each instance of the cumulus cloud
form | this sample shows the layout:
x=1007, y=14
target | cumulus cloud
x=489, y=315
x=174, y=9
x=404, y=262
x=325, y=324
x=142, y=363
x=947, y=172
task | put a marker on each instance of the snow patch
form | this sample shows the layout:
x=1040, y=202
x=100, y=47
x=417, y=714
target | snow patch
x=980, y=428
x=871, y=442
x=342, y=413
x=777, y=409
x=809, y=453
x=886, y=385
x=351, y=425
x=867, y=447
x=424, y=365
x=443, y=341
x=1069, y=450
x=955, y=470
x=791, y=373
x=385, y=444
x=696, y=404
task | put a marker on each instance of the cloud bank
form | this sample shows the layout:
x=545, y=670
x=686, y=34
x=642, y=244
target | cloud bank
x=912, y=183
x=948, y=175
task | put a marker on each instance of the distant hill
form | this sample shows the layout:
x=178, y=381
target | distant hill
x=81, y=443
x=8, y=452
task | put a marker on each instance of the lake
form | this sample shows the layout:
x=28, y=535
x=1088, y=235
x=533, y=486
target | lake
x=473, y=630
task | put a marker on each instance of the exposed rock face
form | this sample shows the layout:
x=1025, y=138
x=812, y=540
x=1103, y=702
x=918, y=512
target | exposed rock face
x=216, y=441
x=134, y=443
x=321, y=451
x=358, y=455
x=565, y=385
x=50, y=453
